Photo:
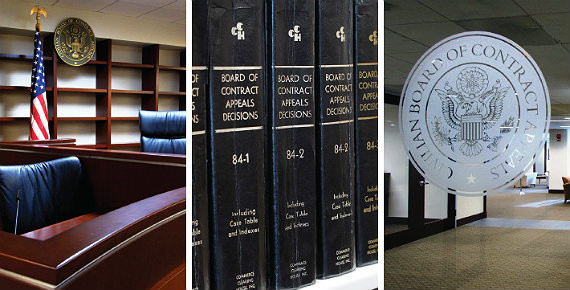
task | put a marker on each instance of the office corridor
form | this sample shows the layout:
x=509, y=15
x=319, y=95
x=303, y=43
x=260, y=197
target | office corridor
x=523, y=244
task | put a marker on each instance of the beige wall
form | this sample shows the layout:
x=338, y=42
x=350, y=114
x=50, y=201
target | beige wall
x=15, y=14
x=468, y=206
x=558, y=158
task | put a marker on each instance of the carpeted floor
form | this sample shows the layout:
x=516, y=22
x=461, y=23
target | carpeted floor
x=394, y=228
x=475, y=257
x=536, y=204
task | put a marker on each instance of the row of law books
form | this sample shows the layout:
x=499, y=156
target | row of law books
x=284, y=141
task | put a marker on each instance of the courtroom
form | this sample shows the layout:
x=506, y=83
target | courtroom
x=93, y=144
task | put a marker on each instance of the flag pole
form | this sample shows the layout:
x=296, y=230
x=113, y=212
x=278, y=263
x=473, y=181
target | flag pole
x=39, y=127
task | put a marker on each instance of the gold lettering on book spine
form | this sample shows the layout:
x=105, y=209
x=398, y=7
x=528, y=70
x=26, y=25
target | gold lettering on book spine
x=74, y=41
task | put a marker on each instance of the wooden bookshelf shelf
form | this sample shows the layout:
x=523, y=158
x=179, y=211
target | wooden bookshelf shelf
x=82, y=90
x=20, y=57
x=89, y=63
x=172, y=93
x=171, y=68
x=362, y=278
x=132, y=65
x=97, y=62
x=97, y=77
x=20, y=88
x=114, y=91
x=11, y=119
x=124, y=118
x=82, y=118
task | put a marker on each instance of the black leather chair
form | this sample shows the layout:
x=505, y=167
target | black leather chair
x=566, y=186
x=49, y=192
x=163, y=132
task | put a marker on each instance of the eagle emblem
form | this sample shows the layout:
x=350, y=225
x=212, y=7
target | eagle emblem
x=469, y=111
x=74, y=41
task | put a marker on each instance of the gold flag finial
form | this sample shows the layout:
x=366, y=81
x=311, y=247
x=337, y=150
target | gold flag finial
x=39, y=11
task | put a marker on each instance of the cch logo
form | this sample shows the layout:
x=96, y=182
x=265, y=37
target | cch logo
x=295, y=33
x=238, y=31
x=340, y=34
x=374, y=37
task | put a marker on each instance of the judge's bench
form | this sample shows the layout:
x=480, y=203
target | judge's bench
x=127, y=230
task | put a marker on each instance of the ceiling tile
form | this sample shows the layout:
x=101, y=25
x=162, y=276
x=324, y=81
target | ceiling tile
x=127, y=9
x=480, y=9
x=395, y=73
x=522, y=30
x=557, y=25
x=41, y=2
x=427, y=33
x=555, y=71
x=153, y=3
x=393, y=89
x=543, y=7
x=560, y=110
x=179, y=4
x=545, y=35
x=396, y=43
x=166, y=14
x=89, y=5
x=408, y=11
x=409, y=57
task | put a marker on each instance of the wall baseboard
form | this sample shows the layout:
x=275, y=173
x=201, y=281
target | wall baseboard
x=555, y=190
x=472, y=218
x=396, y=220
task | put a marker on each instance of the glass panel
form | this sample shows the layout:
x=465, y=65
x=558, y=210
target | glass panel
x=435, y=203
x=395, y=174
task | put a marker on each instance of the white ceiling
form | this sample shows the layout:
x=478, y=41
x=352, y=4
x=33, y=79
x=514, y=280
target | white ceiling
x=173, y=11
x=540, y=27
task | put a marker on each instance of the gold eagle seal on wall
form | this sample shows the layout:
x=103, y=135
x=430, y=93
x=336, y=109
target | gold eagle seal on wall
x=74, y=41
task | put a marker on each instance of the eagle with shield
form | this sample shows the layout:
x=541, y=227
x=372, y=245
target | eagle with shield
x=470, y=111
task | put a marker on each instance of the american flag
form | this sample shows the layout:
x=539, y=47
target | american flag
x=39, y=121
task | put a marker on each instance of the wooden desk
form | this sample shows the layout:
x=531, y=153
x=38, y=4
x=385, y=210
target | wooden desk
x=541, y=177
x=65, y=142
x=136, y=240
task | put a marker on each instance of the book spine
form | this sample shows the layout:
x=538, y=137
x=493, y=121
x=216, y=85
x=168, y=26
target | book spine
x=237, y=52
x=335, y=137
x=200, y=245
x=292, y=196
x=366, y=115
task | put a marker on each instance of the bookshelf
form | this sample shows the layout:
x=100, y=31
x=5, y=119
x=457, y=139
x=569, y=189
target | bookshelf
x=97, y=103
x=362, y=278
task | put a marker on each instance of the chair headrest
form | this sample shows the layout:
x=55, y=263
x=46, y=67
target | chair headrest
x=49, y=193
x=169, y=124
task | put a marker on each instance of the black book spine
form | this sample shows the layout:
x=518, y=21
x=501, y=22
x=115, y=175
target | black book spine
x=335, y=137
x=200, y=245
x=292, y=194
x=366, y=115
x=237, y=118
